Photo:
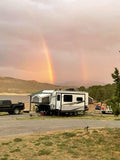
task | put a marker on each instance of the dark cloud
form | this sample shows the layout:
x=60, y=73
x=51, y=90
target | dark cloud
x=71, y=28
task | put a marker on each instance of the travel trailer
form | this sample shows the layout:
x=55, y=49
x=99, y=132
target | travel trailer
x=58, y=102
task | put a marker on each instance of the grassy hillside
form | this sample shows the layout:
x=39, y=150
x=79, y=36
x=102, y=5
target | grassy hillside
x=12, y=85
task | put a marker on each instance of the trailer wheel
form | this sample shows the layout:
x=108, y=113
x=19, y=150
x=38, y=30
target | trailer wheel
x=75, y=114
x=83, y=112
x=50, y=113
x=16, y=111
x=58, y=113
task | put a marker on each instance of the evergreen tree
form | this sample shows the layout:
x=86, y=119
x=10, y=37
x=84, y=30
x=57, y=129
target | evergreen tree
x=82, y=88
x=116, y=77
x=115, y=101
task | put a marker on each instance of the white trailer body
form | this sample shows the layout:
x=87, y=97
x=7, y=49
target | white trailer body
x=69, y=101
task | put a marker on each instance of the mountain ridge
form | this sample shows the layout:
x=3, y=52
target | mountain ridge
x=20, y=86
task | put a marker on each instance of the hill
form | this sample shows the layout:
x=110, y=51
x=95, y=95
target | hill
x=18, y=86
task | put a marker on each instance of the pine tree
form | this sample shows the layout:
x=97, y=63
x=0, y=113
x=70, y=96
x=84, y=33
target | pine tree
x=115, y=102
x=116, y=77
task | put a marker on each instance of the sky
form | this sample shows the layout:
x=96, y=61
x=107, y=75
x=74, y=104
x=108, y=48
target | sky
x=60, y=41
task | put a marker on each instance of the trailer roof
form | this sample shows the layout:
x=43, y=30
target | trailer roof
x=42, y=91
x=61, y=91
x=58, y=91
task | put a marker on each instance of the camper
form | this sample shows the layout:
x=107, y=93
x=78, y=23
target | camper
x=59, y=102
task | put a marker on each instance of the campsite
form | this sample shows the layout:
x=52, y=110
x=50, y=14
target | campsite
x=32, y=134
x=60, y=80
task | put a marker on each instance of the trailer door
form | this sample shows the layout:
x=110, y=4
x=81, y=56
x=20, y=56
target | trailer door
x=58, y=101
x=80, y=102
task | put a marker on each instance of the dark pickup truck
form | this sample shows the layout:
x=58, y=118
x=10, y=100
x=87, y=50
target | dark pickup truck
x=7, y=106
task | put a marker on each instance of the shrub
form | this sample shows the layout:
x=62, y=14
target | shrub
x=114, y=103
x=116, y=110
x=17, y=140
x=44, y=152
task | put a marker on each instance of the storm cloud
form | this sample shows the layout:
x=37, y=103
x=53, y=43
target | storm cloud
x=82, y=36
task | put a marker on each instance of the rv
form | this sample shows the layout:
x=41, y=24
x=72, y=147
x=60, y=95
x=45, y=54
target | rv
x=58, y=102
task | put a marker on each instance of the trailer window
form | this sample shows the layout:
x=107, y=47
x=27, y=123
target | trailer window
x=79, y=99
x=58, y=97
x=67, y=98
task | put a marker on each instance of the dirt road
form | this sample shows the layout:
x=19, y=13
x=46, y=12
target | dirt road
x=10, y=126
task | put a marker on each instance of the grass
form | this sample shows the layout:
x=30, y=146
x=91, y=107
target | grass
x=3, y=113
x=17, y=140
x=87, y=116
x=68, y=145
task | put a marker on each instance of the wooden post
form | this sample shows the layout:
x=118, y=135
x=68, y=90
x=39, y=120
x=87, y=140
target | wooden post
x=30, y=103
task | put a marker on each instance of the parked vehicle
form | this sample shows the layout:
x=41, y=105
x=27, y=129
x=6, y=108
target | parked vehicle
x=7, y=106
x=57, y=102
x=104, y=109
x=97, y=108
x=107, y=110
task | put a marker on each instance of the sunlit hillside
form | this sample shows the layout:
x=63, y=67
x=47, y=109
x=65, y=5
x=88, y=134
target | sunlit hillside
x=13, y=85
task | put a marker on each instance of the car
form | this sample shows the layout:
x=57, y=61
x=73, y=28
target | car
x=97, y=108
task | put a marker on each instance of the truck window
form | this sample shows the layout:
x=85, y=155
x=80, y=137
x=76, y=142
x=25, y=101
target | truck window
x=68, y=98
x=6, y=102
x=1, y=102
x=79, y=99
x=58, y=97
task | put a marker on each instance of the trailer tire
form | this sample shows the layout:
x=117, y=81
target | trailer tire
x=50, y=113
x=83, y=112
x=75, y=114
x=16, y=111
x=58, y=113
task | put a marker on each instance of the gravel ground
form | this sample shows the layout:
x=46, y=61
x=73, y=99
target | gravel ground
x=10, y=126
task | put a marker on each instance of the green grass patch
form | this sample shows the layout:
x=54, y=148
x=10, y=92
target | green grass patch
x=44, y=152
x=37, y=144
x=6, y=143
x=15, y=150
x=3, y=113
x=68, y=134
x=4, y=158
x=48, y=143
x=17, y=140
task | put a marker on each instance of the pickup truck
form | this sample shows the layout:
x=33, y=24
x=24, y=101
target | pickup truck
x=7, y=106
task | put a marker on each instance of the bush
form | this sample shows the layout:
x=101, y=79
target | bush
x=114, y=103
x=116, y=110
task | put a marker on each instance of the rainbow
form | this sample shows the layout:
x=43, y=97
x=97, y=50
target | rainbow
x=49, y=62
x=46, y=51
x=84, y=68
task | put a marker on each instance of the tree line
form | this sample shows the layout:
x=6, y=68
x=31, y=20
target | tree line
x=100, y=93
x=109, y=93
